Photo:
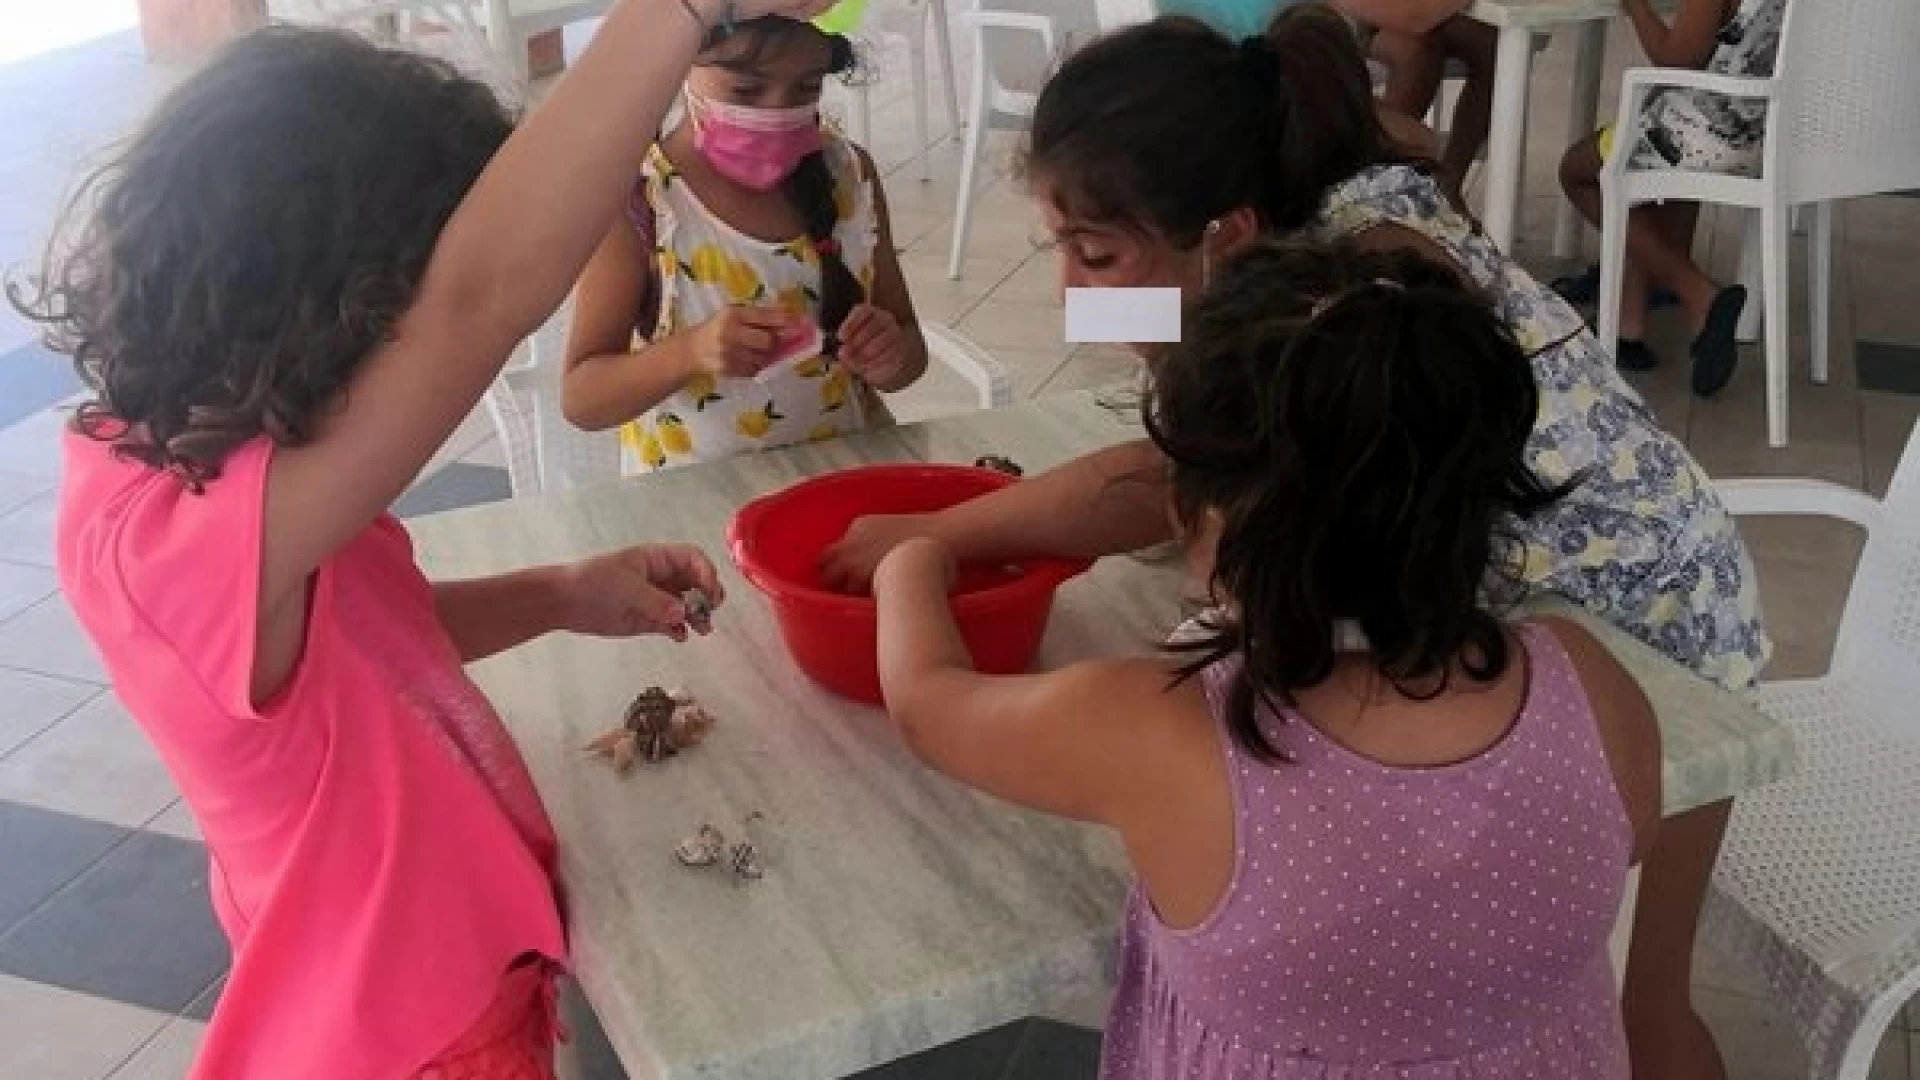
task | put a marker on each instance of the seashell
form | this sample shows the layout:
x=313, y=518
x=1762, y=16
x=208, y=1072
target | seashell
x=702, y=847
x=998, y=464
x=745, y=859
x=699, y=609
x=623, y=751
x=690, y=727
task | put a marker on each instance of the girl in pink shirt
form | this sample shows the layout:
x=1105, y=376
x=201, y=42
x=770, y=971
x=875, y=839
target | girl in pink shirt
x=294, y=284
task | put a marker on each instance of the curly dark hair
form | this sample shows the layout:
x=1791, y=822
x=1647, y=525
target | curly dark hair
x=224, y=277
x=810, y=188
x=1269, y=123
x=1355, y=425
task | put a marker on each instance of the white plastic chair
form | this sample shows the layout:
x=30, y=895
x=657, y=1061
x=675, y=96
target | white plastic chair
x=501, y=33
x=912, y=21
x=1843, y=121
x=1014, y=52
x=1819, y=878
x=546, y=453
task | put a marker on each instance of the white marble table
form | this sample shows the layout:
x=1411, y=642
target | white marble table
x=898, y=912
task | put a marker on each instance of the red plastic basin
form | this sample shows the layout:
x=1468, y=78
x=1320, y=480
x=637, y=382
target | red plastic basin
x=777, y=541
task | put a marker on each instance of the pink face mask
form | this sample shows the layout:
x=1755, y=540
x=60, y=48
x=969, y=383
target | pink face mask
x=755, y=148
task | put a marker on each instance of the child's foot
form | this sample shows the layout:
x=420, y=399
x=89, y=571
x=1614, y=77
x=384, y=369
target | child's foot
x=1583, y=288
x=1632, y=354
x=1715, y=352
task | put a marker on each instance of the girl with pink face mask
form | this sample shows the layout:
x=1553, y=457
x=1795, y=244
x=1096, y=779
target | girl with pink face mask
x=750, y=297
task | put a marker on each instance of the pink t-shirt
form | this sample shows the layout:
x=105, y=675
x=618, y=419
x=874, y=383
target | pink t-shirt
x=380, y=856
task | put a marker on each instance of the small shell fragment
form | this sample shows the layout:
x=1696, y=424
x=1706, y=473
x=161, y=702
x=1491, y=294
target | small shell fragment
x=699, y=609
x=701, y=848
x=690, y=726
x=999, y=464
x=746, y=861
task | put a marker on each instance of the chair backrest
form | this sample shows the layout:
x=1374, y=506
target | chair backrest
x=1018, y=64
x=544, y=451
x=1847, y=122
x=1879, y=641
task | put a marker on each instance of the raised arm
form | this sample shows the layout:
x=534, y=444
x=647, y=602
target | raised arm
x=504, y=261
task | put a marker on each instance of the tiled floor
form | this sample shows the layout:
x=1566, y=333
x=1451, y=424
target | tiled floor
x=109, y=961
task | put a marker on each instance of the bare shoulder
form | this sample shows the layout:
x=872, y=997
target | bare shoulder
x=1628, y=729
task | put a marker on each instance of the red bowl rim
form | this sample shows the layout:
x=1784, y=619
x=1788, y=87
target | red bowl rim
x=1043, y=574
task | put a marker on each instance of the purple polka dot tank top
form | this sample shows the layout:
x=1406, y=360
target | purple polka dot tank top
x=1385, y=923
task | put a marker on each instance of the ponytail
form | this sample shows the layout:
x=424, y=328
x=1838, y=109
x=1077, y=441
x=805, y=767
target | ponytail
x=1141, y=128
x=811, y=192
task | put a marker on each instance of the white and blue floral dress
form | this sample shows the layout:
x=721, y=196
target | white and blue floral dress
x=1643, y=541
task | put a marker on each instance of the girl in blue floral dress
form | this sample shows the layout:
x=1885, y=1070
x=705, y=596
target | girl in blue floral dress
x=1164, y=147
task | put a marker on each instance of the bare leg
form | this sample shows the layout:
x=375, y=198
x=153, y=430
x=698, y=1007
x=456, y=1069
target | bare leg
x=1475, y=45
x=1666, y=1037
x=1415, y=65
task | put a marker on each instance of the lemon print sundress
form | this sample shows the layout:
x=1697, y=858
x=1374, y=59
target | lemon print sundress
x=702, y=266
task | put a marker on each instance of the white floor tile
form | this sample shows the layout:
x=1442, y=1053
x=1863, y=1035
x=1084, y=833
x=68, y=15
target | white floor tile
x=31, y=703
x=26, y=532
x=168, y=1056
x=176, y=821
x=17, y=488
x=22, y=586
x=31, y=448
x=47, y=638
x=95, y=764
x=53, y=1034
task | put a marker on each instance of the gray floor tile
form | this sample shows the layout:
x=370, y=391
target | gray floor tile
x=1053, y=1051
x=31, y=703
x=202, y=1007
x=168, y=1056
x=980, y=1057
x=1889, y=367
x=43, y=851
x=453, y=487
x=136, y=928
x=17, y=488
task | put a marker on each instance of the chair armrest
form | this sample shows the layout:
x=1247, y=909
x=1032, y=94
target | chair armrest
x=1657, y=78
x=971, y=362
x=1638, y=84
x=1800, y=498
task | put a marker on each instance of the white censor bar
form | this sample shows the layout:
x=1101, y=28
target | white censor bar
x=1123, y=316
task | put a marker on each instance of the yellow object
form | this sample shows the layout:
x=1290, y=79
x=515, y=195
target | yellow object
x=673, y=435
x=756, y=424
x=709, y=264
x=823, y=432
x=833, y=392
x=842, y=18
x=1606, y=142
x=704, y=390
x=811, y=368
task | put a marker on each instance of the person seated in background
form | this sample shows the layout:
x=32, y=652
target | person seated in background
x=1414, y=40
x=1692, y=130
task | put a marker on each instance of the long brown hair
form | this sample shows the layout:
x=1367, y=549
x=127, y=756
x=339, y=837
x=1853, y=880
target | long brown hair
x=224, y=277
x=1171, y=125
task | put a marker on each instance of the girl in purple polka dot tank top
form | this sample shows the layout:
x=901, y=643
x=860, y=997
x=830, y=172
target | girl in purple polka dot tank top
x=1378, y=832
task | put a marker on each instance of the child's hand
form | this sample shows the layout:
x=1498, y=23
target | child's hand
x=873, y=346
x=919, y=565
x=738, y=342
x=637, y=591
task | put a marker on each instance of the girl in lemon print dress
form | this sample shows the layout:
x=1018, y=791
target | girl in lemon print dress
x=751, y=297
